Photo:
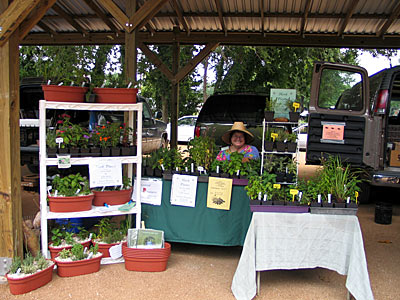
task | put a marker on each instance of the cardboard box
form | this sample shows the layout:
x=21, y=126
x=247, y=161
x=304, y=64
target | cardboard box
x=395, y=155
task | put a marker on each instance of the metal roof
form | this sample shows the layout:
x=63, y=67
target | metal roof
x=352, y=23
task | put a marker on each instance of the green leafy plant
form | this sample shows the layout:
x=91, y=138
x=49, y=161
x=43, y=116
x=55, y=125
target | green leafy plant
x=51, y=136
x=72, y=134
x=109, y=232
x=270, y=104
x=202, y=151
x=77, y=252
x=71, y=185
x=260, y=184
x=30, y=264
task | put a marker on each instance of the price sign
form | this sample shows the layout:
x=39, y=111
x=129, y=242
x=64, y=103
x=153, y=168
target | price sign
x=64, y=161
x=293, y=192
x=274, y=136
x=296, y=106
x=277, y=186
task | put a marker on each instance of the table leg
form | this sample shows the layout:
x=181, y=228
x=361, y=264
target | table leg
x=258, y=282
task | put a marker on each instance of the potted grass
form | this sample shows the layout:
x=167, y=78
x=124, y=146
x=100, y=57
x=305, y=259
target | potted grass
x=64, y=238
x=79, y=260
x=113, y=195
x=269, y=110
x=110, y=234
x=30, y=273
x=70, y=193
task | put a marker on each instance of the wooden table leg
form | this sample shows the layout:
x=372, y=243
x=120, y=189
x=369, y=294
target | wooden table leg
x=258, y=282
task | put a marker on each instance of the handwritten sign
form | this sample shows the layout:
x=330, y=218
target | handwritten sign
x=151, y=191
x=183, y=190
x=282, y=96
x=105, y=172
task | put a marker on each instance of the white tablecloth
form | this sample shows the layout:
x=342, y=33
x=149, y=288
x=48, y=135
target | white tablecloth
x=297, y=241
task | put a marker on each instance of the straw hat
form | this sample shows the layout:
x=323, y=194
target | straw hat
x=237, y=126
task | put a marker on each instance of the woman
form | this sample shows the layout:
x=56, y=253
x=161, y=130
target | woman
x=237, y=138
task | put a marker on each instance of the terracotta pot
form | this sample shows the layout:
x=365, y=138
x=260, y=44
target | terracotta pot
x=70, y=204
x=79, y=267
x=146, y=260
x=111, y=197
x=64, y=93
x=55, y=250
x=104, y=248
x=29, y=283
x=115, y=95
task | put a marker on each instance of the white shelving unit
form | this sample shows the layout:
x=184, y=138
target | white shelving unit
x=45, y=161
x=267, y=125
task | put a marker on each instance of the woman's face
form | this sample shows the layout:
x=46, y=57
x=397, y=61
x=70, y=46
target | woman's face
x=238, y=139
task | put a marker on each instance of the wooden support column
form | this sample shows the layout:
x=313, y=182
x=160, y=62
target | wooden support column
x=130, y=47
x=11, y=242
x=174, y=96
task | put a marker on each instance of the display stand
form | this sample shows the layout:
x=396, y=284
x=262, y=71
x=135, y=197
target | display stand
x=45, y=161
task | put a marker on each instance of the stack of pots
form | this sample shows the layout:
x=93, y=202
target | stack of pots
x=146, y=260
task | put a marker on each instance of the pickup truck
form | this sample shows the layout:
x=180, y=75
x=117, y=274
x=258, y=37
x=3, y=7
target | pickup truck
x=154, y=131
x=358, y=118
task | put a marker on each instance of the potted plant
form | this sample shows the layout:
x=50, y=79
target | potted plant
x=269, y=110
x=269, y=140
x=291, y=142
x=78, y=260
x=110, y=234
x=63, y=93
x=280, y=140
x=115, y=95
x=70, y=193
x=128, y=141
x=30, y=273
x=201, y=152
x=51, y=136
x=292, y=106
x=113, y=195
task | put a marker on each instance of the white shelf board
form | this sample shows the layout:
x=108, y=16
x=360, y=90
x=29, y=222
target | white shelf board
x=96, y=211
x=93, y=106
x=86, y=160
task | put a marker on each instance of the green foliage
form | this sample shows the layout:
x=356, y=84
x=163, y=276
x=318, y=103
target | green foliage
x=51, y=136
x=29, y=264
x=260, y=184
x=73, y=134
x=77, y=252
x=270, y=104
x=71, y=185
x=108, y=232
x=108, y=135
x=202, y=151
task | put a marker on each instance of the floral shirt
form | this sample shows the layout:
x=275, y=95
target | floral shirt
x=248, y=151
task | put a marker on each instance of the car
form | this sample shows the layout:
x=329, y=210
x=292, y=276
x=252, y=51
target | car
x=220, y=111
x=186, y=125
x=154, y=131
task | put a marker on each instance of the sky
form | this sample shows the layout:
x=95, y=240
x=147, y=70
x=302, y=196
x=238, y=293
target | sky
x=375, y=64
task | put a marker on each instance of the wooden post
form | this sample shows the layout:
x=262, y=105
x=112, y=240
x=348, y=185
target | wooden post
x=11, y=242
x=174, y=95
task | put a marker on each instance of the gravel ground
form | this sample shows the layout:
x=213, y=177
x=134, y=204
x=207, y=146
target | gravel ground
x=206, y=272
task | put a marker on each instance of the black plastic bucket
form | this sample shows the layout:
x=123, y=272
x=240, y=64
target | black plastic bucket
x=383, y=213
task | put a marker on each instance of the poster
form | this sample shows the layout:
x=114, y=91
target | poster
x=151, y=191
x=282, y=96
x=105, y=172
x=183, y=190
x=219, y=193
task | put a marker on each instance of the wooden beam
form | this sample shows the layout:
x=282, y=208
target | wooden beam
x=350, y=12
x=393, y=17
x=60, y=11
x=116, y=12
x=174, y=93
x=192, y=64
x=221, y=16
x=130, y=47
x=179, y=13
x=102, y=16
x=156, y=61
x=13, y=16
x=305, y=17
x=47, y=29
x=36, y=15
x=11, y=241
x=146, y=12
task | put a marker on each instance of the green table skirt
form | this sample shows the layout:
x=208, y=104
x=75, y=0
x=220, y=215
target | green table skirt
x=200, y=224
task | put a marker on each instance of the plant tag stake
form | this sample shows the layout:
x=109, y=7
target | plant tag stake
x=162, y=167
x=265, y=197
x=217, y=169
x=319, y=198
x=329, y=198
x=348, y=200
x=77, y=191
x=59, y=141
x=296, y=105
x=102, y=189
x=356, y=194
x=192, y=167
x=293, y=192
x=274, y=136
x=300, y=195
x=259, y=196
x=237, y=172
x=49, y=189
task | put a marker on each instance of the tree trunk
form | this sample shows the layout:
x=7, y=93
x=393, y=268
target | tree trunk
x=205, y=63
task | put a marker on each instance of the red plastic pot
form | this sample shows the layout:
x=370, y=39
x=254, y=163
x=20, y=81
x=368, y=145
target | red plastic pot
x=79, y=267
x=111, y=197
x=70, y=204
x=55, y=250
x=104, y=248
x=32, y=282
x=64, y=93
x=146, y=260
x=115, y=95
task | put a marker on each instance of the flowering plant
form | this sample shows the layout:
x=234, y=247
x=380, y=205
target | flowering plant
x=107, y=135
x=127, y=136
x=73, y=134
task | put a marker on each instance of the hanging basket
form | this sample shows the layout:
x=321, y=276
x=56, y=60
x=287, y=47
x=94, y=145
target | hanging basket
x=64, y=93
x=115, y=95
